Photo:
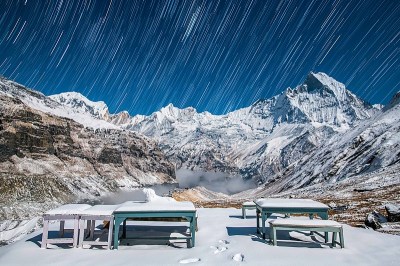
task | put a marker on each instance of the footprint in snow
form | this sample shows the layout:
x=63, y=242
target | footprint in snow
x=191, y=260
x=224, y=242
x=238, y=257
x=219, y=249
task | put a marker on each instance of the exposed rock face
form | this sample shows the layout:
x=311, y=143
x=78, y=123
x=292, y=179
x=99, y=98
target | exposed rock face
x=393, y=212
x=45, y=159
x=375, y=220
x=393, y=102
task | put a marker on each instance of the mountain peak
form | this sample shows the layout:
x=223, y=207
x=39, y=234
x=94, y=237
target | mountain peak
x=15, y=89
x=79, y=102
x=66, y=97
x=321, y=80
x=170, y=110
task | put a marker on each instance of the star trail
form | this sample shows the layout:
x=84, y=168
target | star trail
x=216, y=56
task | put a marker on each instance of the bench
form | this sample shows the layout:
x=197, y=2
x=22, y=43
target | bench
x=249, y=205
x=307, y=225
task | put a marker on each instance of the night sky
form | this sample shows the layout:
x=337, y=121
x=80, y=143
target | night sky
x=213, y=55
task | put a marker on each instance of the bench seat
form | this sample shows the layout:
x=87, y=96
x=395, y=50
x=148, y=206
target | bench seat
x=307, y=225
x=248, y=205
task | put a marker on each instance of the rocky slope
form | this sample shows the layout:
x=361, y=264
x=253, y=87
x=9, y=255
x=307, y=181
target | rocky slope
x=47, y=159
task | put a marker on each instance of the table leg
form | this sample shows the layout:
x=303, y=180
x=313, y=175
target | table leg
x=341, y=237
x=92, y=226
x=124, y=229
x=88, y=224
x=117, y=224
x=273, y=235
x=311, y=217
x=110, y=231
x=324, y=216
x=193, y=230
x=81, y=232
x=76, y=232
x=62, y=228
x=263, y=219
x=258, y=220
x=45, y=233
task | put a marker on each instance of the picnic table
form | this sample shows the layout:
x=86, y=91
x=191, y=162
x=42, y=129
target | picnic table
x=265, y=208
x=155, y=210
x=103, y=213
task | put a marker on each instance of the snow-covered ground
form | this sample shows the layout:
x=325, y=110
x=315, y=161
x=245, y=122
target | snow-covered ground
x=223, y=238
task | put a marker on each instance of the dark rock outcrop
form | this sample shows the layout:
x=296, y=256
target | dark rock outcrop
x=375, y=220
x=393, y=212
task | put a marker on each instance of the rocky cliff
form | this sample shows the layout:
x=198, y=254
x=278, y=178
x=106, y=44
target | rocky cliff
x=47, y=159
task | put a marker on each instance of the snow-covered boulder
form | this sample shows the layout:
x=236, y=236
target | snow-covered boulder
x=375, y=220
x=151, y=196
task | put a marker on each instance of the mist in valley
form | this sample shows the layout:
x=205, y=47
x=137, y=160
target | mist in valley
x=214, y=181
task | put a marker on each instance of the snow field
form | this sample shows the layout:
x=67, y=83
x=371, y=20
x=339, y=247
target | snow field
x=223, y=238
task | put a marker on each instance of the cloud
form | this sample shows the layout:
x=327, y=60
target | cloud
x=215, y=181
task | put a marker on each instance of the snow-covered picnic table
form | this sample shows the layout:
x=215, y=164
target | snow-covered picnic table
x=265, y=207
x=62, y=214
x=154, y=210
x=103, y=213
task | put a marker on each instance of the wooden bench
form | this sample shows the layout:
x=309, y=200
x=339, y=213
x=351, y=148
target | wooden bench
x=248, y=205
x=307, y=225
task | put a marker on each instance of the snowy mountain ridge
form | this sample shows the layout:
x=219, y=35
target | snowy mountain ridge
x=82, y=104
x=256, y=142
x=260, y=140
x=87, y=113
x=320, y=100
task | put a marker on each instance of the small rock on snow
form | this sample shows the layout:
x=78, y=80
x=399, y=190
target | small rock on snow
x=238, y=257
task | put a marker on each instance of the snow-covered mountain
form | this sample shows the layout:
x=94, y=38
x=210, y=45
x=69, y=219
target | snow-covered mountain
x=70, y=105
x=81, y=104
x=261, y=140
x=369, y=148
x=258, y=142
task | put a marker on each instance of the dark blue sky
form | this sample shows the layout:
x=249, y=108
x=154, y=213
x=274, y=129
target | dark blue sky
x=213, y=55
